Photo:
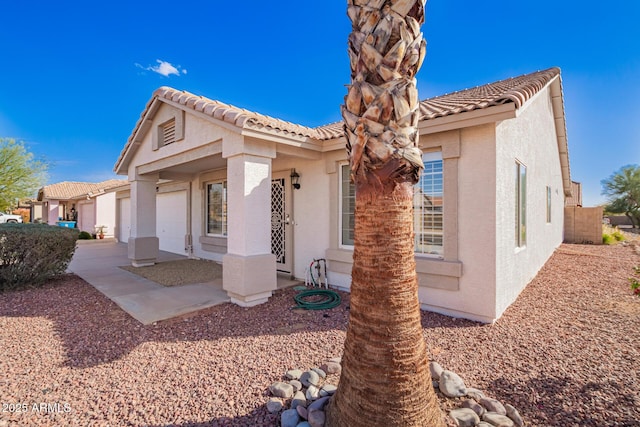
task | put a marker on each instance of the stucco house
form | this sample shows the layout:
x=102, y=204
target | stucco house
x=214, y=181
x=86, y=203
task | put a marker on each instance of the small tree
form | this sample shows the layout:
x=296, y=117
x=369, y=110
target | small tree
x=623, y=192
x=20, y=174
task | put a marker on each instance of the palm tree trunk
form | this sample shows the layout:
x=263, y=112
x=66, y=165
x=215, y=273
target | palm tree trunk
x=385, y=378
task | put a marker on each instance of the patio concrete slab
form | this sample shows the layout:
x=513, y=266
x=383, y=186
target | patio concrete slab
x=98, y=263
x=116, y=288
x=161, y=304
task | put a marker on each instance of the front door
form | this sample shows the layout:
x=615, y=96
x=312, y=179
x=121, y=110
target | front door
x=281, y=222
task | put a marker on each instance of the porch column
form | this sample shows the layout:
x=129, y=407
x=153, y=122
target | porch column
x=143, y=243
x=249, y=268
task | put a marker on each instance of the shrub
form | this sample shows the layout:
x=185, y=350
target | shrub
x=607, y=239
x=618, y=235
x=84, y=236
x=635, y=286
x=31, y=254
x=614, y=232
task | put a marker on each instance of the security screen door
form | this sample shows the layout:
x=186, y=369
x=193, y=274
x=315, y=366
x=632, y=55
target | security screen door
x=281, y=221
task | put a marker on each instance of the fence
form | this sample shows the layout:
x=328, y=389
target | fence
x=583, y=225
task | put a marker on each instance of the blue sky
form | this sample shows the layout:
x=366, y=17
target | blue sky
x=75, y=76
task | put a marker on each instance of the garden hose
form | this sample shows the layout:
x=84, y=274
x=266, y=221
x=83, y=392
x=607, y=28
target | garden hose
x=330, y=299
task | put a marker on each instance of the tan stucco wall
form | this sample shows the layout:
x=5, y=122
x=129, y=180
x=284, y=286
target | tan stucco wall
x=474, y=208
x=532, y=140
x=198, y=132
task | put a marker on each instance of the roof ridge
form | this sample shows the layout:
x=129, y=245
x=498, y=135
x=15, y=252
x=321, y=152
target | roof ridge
x=517, y=89
x=493, y=83
x=253, y=117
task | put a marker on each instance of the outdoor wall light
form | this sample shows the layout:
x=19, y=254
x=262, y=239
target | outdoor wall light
x=295, y=179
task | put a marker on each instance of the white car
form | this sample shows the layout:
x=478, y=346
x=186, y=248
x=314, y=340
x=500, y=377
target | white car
x=9, y=218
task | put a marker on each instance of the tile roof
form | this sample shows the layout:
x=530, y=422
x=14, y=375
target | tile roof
x=244, y=118
x=517, y=90
x=72, y=190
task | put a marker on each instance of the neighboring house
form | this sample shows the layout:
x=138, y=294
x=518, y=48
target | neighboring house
x=576, y=195
x=214, y=181
x=87, y=204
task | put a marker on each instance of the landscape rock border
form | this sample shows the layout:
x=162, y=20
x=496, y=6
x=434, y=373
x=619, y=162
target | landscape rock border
x=303, y=395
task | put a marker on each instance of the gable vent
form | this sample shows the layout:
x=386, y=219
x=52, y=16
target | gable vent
x=169, y=132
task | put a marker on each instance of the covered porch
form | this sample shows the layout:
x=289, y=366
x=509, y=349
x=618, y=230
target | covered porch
x=214, y=188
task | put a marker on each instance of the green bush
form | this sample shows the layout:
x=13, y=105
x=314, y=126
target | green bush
x=607, y=239
x=84, y=235
x=618, y=236
x=31, y=254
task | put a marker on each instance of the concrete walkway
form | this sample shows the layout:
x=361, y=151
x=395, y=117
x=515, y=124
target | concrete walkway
x=98, y=262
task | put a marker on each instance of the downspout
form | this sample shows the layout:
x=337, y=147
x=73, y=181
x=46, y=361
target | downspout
x=292, y=222
x=189, y=237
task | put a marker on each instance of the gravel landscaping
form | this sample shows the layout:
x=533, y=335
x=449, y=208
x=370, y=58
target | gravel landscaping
x=565, y=353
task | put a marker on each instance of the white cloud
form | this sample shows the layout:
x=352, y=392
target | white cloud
x=164, y=68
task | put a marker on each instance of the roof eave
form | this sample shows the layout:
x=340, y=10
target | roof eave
x=557, y=102
x=467, y=119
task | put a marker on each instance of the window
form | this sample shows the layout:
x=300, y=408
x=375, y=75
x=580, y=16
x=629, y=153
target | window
x=428, y=207
x=521, y=204
x=347, y=206
x=427, y=202
x=217, y=208
x=548, y=204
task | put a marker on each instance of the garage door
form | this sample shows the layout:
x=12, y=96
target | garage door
x=87, y=218
x=124, y=218
x=171, y=221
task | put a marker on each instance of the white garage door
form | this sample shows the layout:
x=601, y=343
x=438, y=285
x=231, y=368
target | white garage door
x=87, y=218
x=171, y=221
x=124, y=217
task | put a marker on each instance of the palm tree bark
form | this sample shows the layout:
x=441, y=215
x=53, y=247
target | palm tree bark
x=385, y=378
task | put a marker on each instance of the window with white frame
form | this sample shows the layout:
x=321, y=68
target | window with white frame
x=347, y=206
x=428, y=207
x=217, y=208
x=427, y=201
x=521, y=204
x=548, y=204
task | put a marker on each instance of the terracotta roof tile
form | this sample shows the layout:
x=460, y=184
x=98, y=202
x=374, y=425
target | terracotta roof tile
x=243, y=118
x=517, y=90
x=71, y=190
